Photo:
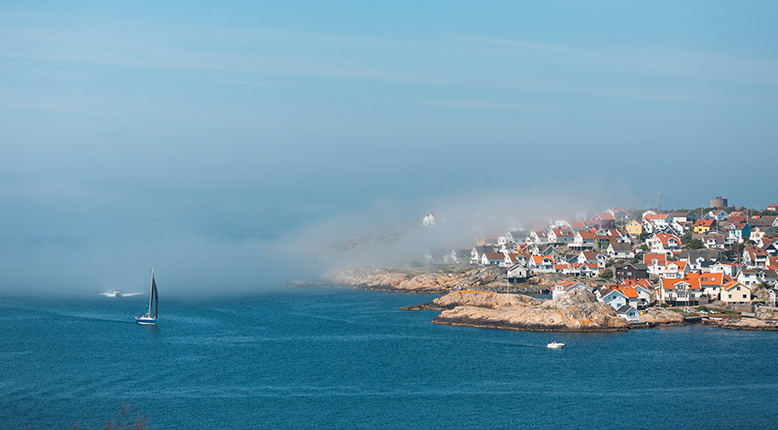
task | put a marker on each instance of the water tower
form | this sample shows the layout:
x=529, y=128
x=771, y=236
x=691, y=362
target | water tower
x=718, y=202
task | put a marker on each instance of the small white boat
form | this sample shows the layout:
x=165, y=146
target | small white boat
x=555, y=345
x=116, y=293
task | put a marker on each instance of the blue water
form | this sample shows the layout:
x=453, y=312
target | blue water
x=334, y=358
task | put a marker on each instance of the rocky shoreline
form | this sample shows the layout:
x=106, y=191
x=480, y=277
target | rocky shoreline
x=482, y=298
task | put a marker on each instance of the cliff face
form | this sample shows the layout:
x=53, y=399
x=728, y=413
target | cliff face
x=578, y=310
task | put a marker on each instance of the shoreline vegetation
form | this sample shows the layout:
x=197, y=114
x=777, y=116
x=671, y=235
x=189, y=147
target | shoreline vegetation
x=483, y=298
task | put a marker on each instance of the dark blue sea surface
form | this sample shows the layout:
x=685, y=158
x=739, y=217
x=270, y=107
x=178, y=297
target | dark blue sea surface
x=336, y=358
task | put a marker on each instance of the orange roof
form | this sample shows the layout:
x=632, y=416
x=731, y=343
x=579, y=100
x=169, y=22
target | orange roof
x=661, y=259
x=587, y=235
x=629, y=292
x=704, y=223
x=538, y=259
x=656, y=216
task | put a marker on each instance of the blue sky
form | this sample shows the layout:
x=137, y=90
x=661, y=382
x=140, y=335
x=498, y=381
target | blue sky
x=202, y=133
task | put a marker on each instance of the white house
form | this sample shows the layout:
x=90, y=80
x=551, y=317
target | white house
x=566, y=286
x=620, y=251
x=615, y=298
x=629, y=313
x=541, y=264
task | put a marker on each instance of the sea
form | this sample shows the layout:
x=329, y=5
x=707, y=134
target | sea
x=350, y=359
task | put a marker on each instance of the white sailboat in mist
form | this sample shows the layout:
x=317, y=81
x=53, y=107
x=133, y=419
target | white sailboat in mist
x=149, y=318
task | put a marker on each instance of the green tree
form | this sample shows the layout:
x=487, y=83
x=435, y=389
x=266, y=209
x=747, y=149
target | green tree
x=694, y=244
x=606, y=274
x=687, y=237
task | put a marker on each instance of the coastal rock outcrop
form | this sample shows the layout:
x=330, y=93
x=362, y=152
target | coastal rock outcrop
x=754, y=324
x=660, y=316
x=382, y=279
x=577, y=310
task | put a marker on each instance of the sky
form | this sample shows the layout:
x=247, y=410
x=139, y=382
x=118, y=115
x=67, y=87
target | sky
x=225, y=142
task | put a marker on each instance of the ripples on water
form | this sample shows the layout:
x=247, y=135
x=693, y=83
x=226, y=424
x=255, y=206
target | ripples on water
x=349, y=359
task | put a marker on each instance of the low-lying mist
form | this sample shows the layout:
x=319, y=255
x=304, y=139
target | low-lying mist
x=384, y=234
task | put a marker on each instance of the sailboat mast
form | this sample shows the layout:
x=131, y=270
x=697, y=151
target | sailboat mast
x=151, y=293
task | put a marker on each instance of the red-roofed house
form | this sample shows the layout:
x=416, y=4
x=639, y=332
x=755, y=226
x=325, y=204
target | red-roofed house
x=655, y=263
x=680, y=292
x=541, y=264
x=664, y=243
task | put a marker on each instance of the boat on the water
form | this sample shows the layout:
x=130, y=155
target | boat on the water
x=555, y=345
x=149, y=318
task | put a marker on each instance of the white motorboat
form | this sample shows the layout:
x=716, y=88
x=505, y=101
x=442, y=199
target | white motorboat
x=555, y=345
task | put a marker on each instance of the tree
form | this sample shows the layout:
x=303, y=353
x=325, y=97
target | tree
x=687, y=237
x=606, y=274
x=695, y=244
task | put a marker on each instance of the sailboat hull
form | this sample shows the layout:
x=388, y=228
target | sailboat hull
x=146, y=320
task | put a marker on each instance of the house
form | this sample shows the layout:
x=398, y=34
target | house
x=441, y=256
x=619, y=214
x=664, y=243
x=538, y=237
x=753, y=257
x=615, y=298
x=740, y=231
x=634, y=228
x=773, y=207
x=517, y=273
x=477, y=253
x=680, y=292
x=700, y=259
x=655, y=263
x=563, y=287
x=675, y=270
x=590, y=257
x=620, y=251
x=767, y=276
x=728, y=269
x=605, y=220
x=541, y=264
x=561, y=235
x=589, y=270
x=430, y=219
x=583, y=240
x=748, y=277
x=493, y=259
x=763, y=221
x=631, y=271
x=629, y=313
x=717, y=214
x=683, y=217
x=735, y=293
x=568, y=268
x=517, y=236
x=711, y=284
x=657, y=221
x=704, y=225
x=712, y=239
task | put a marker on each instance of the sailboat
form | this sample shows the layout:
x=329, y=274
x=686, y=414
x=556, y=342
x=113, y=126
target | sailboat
x=149, y=318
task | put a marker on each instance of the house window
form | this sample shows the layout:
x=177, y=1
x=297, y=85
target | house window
x=730, y=296
x=738, y=288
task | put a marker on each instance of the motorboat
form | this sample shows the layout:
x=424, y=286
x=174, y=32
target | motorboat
x=555, y=345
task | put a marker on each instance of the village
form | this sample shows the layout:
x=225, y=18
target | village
x=708, y=262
